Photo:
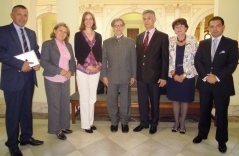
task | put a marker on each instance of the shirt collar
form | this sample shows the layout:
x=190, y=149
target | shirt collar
x=17, y=27
x=151, y=31
x=218, y=38
x=118, y=37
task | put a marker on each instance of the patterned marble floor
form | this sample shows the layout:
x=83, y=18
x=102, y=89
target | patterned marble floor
x=105, y=143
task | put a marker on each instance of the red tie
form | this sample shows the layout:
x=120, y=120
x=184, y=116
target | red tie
x=146, y=40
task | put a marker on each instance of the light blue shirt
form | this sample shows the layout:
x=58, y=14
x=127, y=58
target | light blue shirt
x=19, y=33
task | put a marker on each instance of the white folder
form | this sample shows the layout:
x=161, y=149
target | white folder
x=29, y=56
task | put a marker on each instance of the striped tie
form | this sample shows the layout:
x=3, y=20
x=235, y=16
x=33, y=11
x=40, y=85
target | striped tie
x=26, y=50
x=24, y=41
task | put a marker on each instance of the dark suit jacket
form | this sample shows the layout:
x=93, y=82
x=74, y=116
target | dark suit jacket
x=50, y=57
x=154, y=65
x=10, y=45
x=224, y=63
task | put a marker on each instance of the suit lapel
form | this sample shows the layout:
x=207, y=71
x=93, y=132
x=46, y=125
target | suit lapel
x=56, y=50
x=152, y=40
x=15, y=37
x=30, y=38
x=220, y=45
x=142, y=40
x=208, y=49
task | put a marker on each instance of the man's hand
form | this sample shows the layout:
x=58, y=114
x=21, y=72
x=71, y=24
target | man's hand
x=211, y=78
x=105, y=80
x=37, y=67
x=162, y=82
x=26, y=66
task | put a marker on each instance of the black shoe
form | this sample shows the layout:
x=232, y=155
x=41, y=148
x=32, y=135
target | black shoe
x=114, y=128
x=66, y=131
x=139, y=128
x=125, y=128
x=32, y=142
x=93, y=127
x=89, y=130
x=153, y=129
x=15, y=151
x=197, y=139
x=61, y=136
x=222, y=147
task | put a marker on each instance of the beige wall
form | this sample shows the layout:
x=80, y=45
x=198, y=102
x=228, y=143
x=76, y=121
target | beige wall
x=5, y=19
x=228, y=10
x=48, y=23
x=70, y=13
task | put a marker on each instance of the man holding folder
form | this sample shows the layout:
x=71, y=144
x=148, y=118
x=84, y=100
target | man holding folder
x=18, y=79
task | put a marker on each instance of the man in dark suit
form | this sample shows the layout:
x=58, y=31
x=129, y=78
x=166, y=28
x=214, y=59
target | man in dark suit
x=216, y=59
x=152, y=71
x=17, y=79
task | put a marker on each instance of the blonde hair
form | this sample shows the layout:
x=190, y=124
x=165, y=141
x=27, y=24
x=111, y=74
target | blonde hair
x=59, y=25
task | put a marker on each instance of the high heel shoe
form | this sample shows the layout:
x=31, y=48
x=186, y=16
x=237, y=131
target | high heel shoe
x=175, y=129
x=182, y=131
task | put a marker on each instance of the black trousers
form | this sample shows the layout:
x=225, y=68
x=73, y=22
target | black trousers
x=148, y=93
x=19, y=114
x=207, y=98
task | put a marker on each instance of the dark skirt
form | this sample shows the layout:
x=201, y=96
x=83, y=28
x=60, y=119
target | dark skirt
x=181, y=92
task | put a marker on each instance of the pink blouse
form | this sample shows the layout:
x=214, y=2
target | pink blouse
x=63, y=62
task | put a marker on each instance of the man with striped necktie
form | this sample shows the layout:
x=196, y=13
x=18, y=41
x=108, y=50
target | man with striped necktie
x=18, y=79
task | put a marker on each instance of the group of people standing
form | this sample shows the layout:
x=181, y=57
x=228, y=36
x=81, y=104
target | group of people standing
x=154, y=61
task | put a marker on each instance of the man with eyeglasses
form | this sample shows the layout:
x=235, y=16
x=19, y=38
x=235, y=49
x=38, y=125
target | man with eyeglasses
x=152, y=71
x=119, y=73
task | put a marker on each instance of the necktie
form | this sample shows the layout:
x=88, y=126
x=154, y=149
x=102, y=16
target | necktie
x=214, y=48
x=26, y=50
x=146, y=40
x=24, y=41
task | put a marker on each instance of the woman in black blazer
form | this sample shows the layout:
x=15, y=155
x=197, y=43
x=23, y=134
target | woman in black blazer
x=88, y=52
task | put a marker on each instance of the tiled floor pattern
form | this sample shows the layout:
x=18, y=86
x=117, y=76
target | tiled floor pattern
x=105, y=143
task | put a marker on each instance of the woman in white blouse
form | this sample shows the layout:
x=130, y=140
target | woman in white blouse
x=182, y=72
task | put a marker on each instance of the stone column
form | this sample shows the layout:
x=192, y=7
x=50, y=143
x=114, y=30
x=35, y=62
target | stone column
x=39, y=32
x=202, y=28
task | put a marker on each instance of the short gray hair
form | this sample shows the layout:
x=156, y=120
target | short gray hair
x=149, y=12
x=117, y=19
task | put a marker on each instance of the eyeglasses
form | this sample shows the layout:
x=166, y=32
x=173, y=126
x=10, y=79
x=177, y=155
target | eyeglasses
x=118, y=26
